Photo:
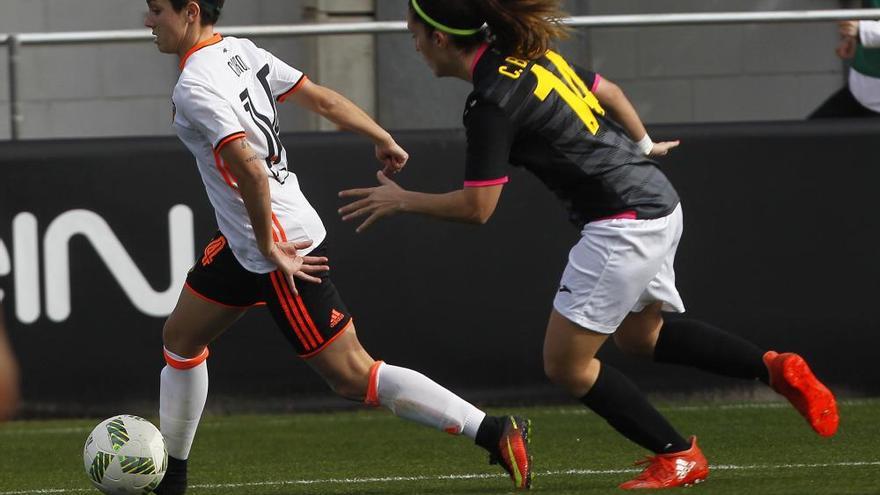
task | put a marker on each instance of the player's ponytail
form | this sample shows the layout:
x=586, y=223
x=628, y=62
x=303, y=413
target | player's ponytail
x=524, y=28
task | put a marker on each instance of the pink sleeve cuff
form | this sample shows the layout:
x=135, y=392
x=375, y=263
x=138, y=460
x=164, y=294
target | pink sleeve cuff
x=486, y=183
x=595, y=83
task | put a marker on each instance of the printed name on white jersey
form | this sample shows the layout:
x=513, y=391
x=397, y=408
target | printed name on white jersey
x=237, y=65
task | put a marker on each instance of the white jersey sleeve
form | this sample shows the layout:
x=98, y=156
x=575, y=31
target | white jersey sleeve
x=207, y=112
x=283, y=79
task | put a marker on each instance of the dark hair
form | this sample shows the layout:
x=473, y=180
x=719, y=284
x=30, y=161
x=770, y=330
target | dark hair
x=210, y=9
x=524, y=28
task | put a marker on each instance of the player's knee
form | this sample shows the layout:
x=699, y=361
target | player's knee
x=180, y=342
x=575, y=377
x=559, y=373
x=350, y=387
x=171, y=337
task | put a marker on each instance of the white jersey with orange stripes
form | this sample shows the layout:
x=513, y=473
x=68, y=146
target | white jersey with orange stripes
x=228, y=89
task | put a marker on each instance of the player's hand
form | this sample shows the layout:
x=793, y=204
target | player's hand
x=392, y=157
x=377, y=202
x=846, y=49
x=663, y=148
x=292, y=265
x=848, y=28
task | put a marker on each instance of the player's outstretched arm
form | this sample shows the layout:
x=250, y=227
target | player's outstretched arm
x=345, y=114
x=253, y=184
x=612, y=98
x=468, y=205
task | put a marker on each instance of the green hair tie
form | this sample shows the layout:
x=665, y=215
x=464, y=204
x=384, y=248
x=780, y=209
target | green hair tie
x=441, y=27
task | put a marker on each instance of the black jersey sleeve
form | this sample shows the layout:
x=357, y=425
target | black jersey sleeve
x=490, y=136
x=590, y=78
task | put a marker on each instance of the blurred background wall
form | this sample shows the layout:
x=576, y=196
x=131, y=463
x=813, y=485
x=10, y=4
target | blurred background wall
x=673, y=74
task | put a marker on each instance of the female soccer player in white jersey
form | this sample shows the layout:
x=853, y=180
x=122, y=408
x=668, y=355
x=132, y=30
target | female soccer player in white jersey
x=580, y=135
x=225, y=113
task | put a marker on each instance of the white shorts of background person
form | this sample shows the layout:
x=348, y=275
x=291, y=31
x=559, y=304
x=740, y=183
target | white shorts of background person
x=620, y=266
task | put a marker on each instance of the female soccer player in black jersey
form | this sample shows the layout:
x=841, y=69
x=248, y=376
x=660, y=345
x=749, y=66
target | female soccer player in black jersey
x=583, y=139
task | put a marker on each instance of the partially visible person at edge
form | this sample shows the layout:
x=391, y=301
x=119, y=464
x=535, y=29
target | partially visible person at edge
x=225, y=105
x=578, y=133
x=860, y=43
x=8, y=374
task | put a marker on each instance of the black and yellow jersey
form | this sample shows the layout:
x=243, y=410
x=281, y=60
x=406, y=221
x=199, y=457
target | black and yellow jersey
x=542, y=115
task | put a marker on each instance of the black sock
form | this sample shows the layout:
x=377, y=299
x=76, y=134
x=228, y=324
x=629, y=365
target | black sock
x=698, y=344
x=489, y=433
x=174, y=481
x=625, y=408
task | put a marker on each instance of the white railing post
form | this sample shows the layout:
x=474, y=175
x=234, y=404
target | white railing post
x=15, y=117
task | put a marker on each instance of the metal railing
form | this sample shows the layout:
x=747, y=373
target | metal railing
x=14, y=42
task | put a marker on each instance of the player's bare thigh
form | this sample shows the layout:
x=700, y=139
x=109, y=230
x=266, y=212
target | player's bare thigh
x=638, y=333
x=195, y=323
x=570, y=354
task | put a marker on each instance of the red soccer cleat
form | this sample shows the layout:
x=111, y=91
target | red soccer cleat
x=684, y=468
x=791, y=377
x=513, y=451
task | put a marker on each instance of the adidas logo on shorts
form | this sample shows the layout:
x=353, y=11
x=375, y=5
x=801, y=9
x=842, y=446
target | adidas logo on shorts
x=335, y=318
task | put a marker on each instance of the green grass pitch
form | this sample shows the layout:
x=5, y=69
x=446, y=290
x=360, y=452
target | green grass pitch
x=753, y=448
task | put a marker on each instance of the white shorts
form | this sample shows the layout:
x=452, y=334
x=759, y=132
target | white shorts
x=620, y=266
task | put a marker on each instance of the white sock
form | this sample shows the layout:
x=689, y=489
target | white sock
x=413, y=396
x=182, y=398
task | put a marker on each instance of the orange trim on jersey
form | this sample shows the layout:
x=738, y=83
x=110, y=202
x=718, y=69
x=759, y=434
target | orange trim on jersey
x=224, y=171
x=208, y=42
x=332, y=339
x=290, y=319
x=372, y=398
x=281, y=232
x=228, y=139
x=296, y=87
x=185, y=364
x=291, y=301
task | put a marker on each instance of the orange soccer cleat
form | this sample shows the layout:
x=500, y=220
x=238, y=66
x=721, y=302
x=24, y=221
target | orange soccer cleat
x=513, y=451
x=791, y=377
x=684, y=468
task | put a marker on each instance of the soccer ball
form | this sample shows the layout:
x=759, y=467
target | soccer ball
x=125, y=455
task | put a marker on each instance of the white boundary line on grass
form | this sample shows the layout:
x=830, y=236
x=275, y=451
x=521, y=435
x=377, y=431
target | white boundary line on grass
x=393, y=479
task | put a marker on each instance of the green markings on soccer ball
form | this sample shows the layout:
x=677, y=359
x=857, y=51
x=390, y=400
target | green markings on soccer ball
x=137, y=465
x=99, y=466
x=152, y=486
x=118, y=434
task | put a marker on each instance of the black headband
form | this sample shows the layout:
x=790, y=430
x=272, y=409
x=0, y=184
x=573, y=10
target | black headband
x=459, y=27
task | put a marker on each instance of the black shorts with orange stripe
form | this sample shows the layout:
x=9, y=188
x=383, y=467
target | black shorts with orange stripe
x=310, y=320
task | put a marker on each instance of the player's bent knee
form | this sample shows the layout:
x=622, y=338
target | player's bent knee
x=351, y=388
x=560, y=374
x=575, y=378
x=354, y=382
x=181, y=344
